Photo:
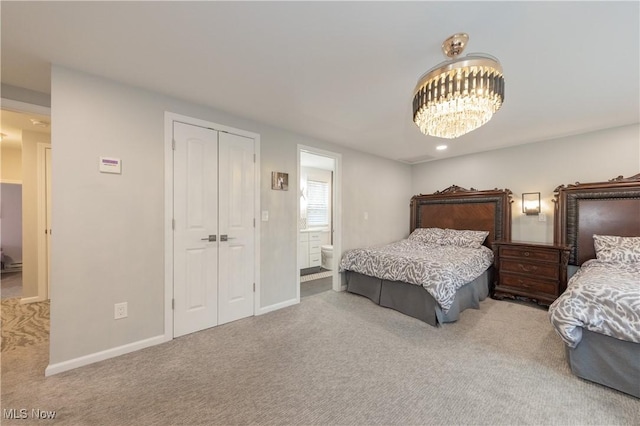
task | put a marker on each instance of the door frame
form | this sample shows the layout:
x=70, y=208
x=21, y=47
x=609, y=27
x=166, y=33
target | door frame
x=169, y=118
x=44, y=256
x=28, y=108
x=337, y=215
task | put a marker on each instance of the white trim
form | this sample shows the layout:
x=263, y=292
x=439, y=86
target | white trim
x=169, y=119
x=17, y=106
x=32, y=299
x=41, y=211
x=14, y=181
x=280, y=305
x=256, y=215
x=337, y=215
x=168, y=228
x=102, y=355
x=297, y=224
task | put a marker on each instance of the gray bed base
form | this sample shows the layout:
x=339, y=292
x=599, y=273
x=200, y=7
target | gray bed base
x=415, y=301
x=608, y=361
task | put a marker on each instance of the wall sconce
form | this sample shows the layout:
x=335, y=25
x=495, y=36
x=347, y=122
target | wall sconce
x=531, y=203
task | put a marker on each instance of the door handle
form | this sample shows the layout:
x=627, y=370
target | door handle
x=210, y=238
x=224, y=237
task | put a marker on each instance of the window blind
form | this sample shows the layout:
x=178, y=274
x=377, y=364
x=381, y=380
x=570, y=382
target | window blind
x=317, y=203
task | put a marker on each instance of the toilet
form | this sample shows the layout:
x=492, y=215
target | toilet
x=327, y=256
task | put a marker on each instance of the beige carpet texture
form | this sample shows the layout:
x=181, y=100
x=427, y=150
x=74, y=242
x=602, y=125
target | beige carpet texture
x=23, y=324
x=333, y=359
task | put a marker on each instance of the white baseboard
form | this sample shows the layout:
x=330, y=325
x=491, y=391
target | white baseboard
x=33, y=299
x=101, y=356
x=277, y=306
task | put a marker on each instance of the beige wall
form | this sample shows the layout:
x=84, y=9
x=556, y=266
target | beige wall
x=537, y=167
x=11, y=165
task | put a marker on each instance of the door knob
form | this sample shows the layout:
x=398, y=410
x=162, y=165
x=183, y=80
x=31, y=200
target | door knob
x=224, y=237
x=210, y=238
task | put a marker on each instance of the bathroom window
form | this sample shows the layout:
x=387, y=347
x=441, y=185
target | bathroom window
x=317, y=203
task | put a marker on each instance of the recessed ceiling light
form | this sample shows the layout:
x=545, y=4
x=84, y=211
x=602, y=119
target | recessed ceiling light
x=441, y=147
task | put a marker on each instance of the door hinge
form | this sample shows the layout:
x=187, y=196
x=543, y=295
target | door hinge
x=254, y=158
x=173, y=224
x=254, y=287
x=254, y=222
x=173, y=144
x=173, y=303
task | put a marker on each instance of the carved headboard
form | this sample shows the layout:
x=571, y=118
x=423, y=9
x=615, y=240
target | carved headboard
x=460, y=208
x=605, y=208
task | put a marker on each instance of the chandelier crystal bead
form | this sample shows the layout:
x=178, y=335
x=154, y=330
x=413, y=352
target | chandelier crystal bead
x=459, y=95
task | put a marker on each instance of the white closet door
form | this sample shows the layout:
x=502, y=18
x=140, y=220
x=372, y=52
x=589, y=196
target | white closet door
x=237, y=172
x=195, y=280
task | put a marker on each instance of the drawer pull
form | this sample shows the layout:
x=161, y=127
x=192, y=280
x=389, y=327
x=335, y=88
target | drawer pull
x=527, y=269
x=523, y=284
x=526, y=253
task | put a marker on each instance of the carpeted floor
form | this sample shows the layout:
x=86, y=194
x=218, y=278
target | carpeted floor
x=11, y=285
x=335, y=358
x=23, y=325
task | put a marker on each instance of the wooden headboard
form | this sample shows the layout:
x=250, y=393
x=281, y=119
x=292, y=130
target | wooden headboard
x=460, y=208
x=604, y=208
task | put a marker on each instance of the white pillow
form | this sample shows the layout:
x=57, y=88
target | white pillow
x=612, y=248
x=464, y=238
x=427, y=235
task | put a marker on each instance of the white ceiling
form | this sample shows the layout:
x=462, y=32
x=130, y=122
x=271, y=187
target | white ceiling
x=344, y=72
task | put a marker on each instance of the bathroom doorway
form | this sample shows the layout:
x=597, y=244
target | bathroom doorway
x=319, y=221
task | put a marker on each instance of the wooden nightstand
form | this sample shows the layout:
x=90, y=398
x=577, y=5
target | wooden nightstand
x=533, y=271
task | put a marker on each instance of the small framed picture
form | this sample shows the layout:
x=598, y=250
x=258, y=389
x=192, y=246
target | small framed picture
x=280, y=181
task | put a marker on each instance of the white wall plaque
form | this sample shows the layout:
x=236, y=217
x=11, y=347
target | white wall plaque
x=110, y=165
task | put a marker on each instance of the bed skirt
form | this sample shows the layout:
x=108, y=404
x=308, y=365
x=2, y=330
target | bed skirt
x=415, y=301
x=608, y=361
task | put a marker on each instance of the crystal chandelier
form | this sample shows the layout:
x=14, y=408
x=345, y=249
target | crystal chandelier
x=460, y=94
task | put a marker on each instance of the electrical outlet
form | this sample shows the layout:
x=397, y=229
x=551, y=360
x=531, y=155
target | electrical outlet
x=542, y=217
x=120, y=310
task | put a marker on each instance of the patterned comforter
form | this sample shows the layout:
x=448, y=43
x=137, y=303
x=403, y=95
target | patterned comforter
x=601, y=297
x=440, y=269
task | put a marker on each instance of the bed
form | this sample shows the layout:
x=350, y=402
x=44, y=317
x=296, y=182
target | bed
x=598, y=316
x=486, y=212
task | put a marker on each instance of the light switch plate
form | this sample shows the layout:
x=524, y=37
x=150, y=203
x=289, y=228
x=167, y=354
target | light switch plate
x=265, y=215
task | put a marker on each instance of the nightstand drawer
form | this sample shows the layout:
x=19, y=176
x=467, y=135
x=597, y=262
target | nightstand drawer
x=527, y=284
x=542, y=270
x=533, y=254
x=536, y=271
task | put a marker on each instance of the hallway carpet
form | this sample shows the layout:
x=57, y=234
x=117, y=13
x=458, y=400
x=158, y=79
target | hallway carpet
x=23, y=325
x=11, y=285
